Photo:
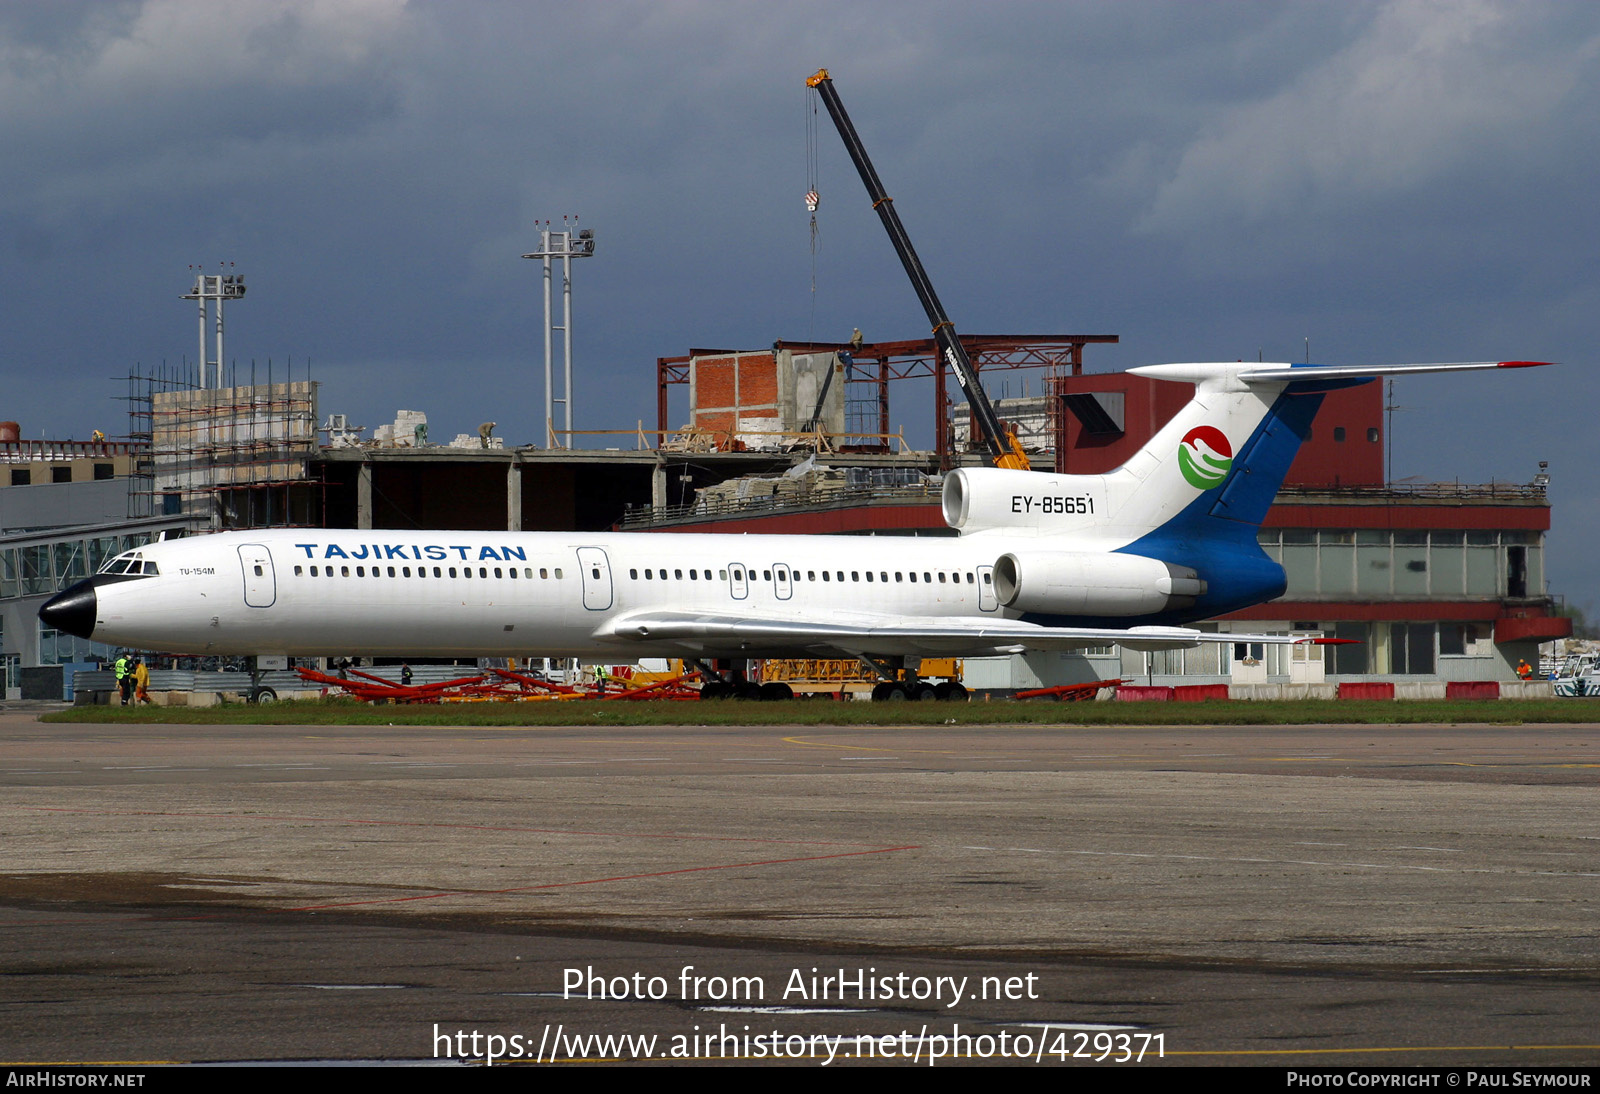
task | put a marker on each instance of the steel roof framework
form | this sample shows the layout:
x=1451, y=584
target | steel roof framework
x=878, y=363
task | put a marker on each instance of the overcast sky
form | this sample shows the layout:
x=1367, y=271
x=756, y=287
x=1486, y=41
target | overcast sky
x=1396, y=181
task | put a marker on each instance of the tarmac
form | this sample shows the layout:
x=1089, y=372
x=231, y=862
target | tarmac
x=1317, y=896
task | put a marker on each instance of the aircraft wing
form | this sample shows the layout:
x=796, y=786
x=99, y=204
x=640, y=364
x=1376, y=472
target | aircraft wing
x=729, y=635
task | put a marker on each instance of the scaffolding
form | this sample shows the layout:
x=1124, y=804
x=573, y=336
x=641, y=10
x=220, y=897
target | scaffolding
x=234, y=456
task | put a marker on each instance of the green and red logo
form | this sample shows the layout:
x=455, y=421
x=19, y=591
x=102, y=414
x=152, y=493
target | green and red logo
x=1205, y=457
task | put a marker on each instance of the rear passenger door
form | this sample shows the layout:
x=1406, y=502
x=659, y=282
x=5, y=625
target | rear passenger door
x=987, y=601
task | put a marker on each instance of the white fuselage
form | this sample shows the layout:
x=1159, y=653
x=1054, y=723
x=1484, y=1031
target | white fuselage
x=323, y=592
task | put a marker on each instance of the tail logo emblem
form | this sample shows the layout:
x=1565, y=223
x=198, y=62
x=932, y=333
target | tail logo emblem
x=1205, y=457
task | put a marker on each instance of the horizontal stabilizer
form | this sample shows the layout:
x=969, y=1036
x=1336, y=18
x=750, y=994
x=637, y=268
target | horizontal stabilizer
x=1351, y=372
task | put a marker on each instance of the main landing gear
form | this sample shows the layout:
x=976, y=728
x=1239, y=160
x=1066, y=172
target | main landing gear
x=723, y=682
x=899, y=684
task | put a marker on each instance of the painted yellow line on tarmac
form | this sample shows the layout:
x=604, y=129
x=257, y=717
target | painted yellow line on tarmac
x=865, y=748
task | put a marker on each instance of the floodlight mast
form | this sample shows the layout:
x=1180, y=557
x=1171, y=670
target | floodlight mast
x=218, y=287
x=1004, y=450
x=566, y=243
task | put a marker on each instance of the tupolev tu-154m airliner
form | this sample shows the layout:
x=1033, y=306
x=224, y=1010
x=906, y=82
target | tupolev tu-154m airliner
x=1041, y=561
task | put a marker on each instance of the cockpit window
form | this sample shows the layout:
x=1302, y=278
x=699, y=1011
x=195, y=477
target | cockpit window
x=130, y=563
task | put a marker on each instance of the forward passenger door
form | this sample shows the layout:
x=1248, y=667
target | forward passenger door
x=260, y=583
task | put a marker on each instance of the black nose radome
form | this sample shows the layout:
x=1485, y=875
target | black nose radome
x=72, y=610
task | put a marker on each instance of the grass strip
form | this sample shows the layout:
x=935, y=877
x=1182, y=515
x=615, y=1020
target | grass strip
x=821, y=712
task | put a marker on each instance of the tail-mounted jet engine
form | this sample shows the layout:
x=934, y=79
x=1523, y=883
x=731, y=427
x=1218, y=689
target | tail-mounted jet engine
x=1064, y=583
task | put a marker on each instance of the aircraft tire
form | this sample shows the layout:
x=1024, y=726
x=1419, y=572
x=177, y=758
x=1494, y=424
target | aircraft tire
x=263, y=696
x=714, y=689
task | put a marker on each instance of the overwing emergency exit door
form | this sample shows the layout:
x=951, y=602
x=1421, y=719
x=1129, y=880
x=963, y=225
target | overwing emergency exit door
x=595, y=568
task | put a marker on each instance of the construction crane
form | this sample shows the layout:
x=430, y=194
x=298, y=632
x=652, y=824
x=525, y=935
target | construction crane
x=1004, y=449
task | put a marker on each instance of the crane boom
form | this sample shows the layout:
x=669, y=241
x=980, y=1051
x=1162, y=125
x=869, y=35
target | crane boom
x=1004, y=450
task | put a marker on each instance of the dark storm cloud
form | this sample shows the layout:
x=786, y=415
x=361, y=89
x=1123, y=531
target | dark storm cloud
x=1397, y=181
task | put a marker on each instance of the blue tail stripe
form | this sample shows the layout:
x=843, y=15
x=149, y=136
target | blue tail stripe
x=1216, y=533
x=1247, y=493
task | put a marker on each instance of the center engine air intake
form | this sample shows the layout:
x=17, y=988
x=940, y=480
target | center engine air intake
x=1060, y=583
